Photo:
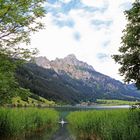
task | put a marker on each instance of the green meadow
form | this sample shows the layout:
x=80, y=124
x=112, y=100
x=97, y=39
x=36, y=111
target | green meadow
x=31, y=102
x=18, y=121
x=114, y=102
x=120, y=124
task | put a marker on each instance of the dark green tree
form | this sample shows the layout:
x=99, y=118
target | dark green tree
x=18, y=19
x=9, y=87
x=129, y=57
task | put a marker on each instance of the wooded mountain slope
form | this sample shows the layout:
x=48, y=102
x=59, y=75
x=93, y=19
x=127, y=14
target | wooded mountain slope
x=71, y=81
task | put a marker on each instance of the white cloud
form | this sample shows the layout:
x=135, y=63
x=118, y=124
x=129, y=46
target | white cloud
x=65, y=1
x=94, y=3
x=58, y=42
x=58, y=5
x=112, y=3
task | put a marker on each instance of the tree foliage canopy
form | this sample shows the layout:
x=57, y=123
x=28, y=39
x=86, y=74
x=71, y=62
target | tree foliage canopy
x=129, y=57
x=18, y=19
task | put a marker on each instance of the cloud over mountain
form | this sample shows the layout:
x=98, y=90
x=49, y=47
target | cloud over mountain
x=86, y=28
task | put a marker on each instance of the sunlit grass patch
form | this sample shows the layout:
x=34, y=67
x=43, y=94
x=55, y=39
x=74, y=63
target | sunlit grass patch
x=114, y=102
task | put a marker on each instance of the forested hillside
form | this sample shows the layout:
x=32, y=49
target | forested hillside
x=71, y=81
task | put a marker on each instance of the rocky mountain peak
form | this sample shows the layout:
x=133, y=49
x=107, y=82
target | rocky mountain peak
x=69, y=64
x=42, y=61
x=71, y=57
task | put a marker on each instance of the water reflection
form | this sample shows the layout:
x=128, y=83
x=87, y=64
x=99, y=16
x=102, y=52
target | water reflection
x=44, y=135
x=40, y=135
x=62, y=134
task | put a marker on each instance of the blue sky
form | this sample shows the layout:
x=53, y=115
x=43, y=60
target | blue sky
x=90, y=29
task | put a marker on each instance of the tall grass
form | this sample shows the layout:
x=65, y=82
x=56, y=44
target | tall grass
x=106, y=125
x=20, y=121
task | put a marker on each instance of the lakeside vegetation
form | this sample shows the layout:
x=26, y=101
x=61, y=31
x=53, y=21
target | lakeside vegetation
x=20, y=121
x=114, y=102
x=120, y=124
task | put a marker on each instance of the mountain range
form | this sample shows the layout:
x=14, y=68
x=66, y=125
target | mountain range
x=69, y=80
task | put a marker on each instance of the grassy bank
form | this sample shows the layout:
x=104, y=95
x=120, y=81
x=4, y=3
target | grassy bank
x=114, y=102
x=20, y=121
x=105, y=125
x=31, y=102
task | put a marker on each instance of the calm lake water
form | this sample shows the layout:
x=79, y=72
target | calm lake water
x=62, y=133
